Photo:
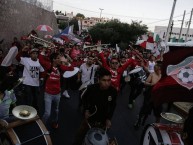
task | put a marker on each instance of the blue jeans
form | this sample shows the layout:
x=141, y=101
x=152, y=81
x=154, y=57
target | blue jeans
x=32, y=96
x=49, y=99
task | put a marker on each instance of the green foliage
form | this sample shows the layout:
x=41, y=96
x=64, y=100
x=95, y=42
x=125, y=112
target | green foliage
x=63, y=25
x=79, y=15
x=74, y=22
x=115, y=32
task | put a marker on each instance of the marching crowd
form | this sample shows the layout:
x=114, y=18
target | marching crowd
x=101, y=75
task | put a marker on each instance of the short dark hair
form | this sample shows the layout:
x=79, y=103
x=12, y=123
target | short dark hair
x=53, y=56
x=103, y=72
x=159, y=63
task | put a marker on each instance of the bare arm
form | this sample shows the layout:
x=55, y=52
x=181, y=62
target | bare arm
x=148, y=82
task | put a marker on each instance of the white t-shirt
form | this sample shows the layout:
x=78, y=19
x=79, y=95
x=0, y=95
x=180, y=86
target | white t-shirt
x=86, y=72
x=31, y=71
x=151, y=66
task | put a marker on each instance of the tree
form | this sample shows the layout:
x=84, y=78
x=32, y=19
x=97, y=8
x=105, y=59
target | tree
x=79, y=15
x=115, y=32
x=74, y=22
x=57, y=12
x=63, y=25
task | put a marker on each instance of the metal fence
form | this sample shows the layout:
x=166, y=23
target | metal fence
x=45, y=4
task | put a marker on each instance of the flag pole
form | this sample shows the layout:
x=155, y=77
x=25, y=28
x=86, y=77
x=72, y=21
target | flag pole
x=170, y=21
x=189, y=26
x=181, y=26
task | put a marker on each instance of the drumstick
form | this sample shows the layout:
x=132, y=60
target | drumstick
x=45, y=133
x=138, y=54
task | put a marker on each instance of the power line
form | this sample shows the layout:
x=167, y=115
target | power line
x=106, y=13
x=166, y=19
x=143, y=18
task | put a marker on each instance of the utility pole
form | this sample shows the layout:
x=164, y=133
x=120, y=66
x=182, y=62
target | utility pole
x=170, y=21
x=188, y=26
x=181, y=26
x=101, y=12
x=171, y=28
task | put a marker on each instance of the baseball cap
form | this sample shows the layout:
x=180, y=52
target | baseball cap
x=34, y=50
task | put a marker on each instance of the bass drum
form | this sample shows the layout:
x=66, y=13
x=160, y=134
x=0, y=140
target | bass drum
x=161, y=134
x=28, y=132
x=96, y=136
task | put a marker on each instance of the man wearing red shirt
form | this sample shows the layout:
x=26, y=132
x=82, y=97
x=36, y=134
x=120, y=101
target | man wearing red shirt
x=115, y=70
x=75, y=51
x=53, y=88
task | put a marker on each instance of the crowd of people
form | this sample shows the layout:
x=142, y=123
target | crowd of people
x=102, y=73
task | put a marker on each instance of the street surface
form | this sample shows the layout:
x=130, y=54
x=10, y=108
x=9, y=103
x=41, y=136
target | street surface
x=122, y=122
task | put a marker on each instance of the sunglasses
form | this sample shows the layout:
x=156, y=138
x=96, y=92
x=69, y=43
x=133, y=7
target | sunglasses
x=114, y=62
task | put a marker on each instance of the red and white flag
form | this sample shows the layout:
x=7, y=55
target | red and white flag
x=149, y=44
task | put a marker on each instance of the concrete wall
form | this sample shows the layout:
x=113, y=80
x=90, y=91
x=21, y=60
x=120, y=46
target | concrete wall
x=18, y=18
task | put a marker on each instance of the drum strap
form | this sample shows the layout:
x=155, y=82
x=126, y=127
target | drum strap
x=91, y=73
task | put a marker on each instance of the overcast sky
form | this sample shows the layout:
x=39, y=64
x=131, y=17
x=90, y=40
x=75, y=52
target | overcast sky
x=150, y=12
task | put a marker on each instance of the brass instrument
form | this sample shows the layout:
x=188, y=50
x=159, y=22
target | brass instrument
x=40, y=41
x=94, y=47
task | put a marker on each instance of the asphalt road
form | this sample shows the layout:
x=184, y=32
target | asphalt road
x=122, y=122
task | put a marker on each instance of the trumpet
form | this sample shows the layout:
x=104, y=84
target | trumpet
x=41, y=41
x=94, y=47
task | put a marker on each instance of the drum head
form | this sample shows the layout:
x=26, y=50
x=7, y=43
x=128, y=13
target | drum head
x=135, y=70
x=172, y=117
x=17, y=112
x=68, y=74
x=96, y=136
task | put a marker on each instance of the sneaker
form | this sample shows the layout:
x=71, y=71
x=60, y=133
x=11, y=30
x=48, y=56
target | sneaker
x=65, y=93
x=130, y=106
x=55, y=125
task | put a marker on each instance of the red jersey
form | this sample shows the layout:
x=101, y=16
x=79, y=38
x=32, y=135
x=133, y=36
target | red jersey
x=75, y=52
x=115, y=74
x=52, y=85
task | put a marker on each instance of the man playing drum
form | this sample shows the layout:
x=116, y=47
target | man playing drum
x=99, y=101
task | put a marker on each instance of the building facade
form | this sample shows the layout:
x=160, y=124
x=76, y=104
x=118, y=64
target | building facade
x=87, y=23
x=162, y=30
x=61, y=18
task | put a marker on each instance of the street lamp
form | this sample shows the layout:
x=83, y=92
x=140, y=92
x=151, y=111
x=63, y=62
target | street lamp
x=101, y=12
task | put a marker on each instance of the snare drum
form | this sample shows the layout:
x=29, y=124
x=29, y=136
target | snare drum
x=161, y=134
x=28, y=132
x=96, y=136
x=138, y=73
